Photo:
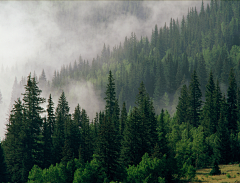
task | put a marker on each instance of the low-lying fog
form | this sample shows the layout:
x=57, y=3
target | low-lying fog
x=47, y=34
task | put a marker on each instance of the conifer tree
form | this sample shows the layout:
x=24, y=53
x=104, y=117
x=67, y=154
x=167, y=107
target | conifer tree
x=77, y=116
x=163, y=145
x=17, y=153
x=60, y=133
x=183, y=106
x=217, y=102
x=47, y=144
x=50, y=115
x=108, y=138
x=232, y=103
x=3, y=166
x=131, y=151
x=209, y=123
x=86, y=149
x=223, y=145
x=33, y=109
x=160, y=83
x=202, y=73
x=123, y=118
x=170, y=75
x=195, y=101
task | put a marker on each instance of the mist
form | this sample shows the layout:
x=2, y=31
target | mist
x=46, y=35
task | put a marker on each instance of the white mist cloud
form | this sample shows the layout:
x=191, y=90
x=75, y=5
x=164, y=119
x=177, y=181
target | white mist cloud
x=36, y=35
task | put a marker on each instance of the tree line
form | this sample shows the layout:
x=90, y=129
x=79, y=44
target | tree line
x=118, y=145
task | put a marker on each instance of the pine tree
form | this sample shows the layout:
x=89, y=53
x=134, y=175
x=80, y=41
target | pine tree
x=217, y=102
x=163, y=144
x=208, y=109
x=170, y=75
x=108, y=138
x=17, y=153
x=3, y=166
x=86, y=149
x=60, y=133
x=183, y=106
x=202, y=73
x=123, y=118
x=223, y=145
x=232, y=103
x=47, y=144
x=33, y=109
x=131, y=152
x=160, y=84
x=195, y=101
x=50, y=115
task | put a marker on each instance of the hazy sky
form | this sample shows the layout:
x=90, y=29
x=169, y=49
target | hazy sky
x=34, y=37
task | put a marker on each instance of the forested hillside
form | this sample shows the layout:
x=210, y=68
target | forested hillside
x=204, y=41
x=172, y=105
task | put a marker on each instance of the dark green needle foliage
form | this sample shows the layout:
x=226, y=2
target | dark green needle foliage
x=3, y=166
x=215, y=170
x=195, y=100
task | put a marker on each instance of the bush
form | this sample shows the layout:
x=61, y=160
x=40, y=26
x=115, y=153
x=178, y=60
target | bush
x=148, y=170
x=215, y=170
x=188, y=171
x=228, y=176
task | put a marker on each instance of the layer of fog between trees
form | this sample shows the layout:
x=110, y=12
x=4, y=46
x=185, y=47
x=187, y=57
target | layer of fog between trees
x=46, y=35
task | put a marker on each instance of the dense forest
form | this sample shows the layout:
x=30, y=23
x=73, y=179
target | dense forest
x=172, y=105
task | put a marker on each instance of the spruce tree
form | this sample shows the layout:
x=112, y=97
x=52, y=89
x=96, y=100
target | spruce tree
x=33, y=109
x=202, y=73
x=195, y=101
x=232, y=103
x=223, y=145
x=123, y=118
x=60, y=133
x=86, y=149
x=209, y=123
x=131, y=151
x=163, y=145
x=183, y=105
x=3, y=166
x=108, y=138
x=47, y=144
x=50, y=115
x=17, y=155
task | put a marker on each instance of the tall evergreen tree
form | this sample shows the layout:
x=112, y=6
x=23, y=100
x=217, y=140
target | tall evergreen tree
x=50, y=115
x=202, y=73
x=86, y=149
x=47, y=144
x=60, y=133
x=195, y=101
x=209, y=123
x=33, y=109
x=3, y=166
x=232, y=103
x=15, y=146
x=108, y=137
x=183, y=106
x=131, y=151
x=123, y=118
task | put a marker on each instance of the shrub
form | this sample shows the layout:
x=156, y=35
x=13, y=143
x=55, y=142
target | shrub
x=215, y=170
x=228, y=175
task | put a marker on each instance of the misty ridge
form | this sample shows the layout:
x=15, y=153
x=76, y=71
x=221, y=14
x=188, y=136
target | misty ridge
x=120, y=91
x=48, y=35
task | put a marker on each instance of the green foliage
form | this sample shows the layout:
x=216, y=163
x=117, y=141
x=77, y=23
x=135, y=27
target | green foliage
x=3, y=166
x=148, y=170
x=188, y=171
x=89, y=173
x=215, y=170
